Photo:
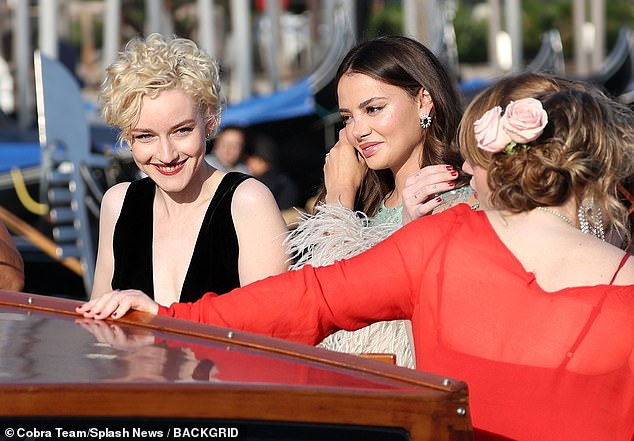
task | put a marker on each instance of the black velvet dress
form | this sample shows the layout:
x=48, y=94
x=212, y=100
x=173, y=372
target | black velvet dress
x=214, y=263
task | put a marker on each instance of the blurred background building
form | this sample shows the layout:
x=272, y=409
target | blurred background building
x=265, y=45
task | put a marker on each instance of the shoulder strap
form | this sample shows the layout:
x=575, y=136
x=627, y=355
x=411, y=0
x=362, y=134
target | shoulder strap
x=596, y=309
x=229, y=183
x=132, y=239
x=623, y=260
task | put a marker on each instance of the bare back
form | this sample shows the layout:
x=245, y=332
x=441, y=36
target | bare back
x=560, y=256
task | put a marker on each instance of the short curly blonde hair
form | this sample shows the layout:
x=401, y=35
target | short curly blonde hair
x=148, y=66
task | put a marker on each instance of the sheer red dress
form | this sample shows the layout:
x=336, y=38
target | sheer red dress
x=539, y=365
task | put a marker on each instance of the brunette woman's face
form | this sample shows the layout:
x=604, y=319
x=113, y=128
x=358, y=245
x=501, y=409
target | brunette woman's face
x=382, y=121
x=168, y=141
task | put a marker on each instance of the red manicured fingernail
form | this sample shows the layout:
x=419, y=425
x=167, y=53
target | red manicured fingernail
x=114, y=314
x=449, y=167
x=454, y=173
x=451, y=184
x=438, y=199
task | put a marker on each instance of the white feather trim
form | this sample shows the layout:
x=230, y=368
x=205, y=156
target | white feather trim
x=334, y=233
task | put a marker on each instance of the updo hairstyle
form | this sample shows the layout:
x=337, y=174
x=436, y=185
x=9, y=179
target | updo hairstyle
x=586, y=148
x=501, y=93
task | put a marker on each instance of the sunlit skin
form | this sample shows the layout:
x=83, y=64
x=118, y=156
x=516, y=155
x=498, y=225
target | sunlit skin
x=168, y=144
x=382, y=131
x=382, y=124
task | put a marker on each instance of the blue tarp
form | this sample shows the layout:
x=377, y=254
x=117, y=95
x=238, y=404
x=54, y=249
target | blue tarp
x=295, y=101
x=26, y=154
x=21, y=155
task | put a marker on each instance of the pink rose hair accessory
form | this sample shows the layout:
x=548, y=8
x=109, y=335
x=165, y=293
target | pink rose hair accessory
x=520, y=123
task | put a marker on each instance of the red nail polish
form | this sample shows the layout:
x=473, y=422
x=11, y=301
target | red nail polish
x=438, y=199
x=449, y=167
x=451, y=184
x=454, y=173
x=114, y=314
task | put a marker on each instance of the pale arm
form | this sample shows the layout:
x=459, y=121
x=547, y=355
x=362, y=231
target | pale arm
x=261, y=231
x=110, y=209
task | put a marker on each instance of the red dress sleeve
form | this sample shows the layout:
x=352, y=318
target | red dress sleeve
x=307, y=305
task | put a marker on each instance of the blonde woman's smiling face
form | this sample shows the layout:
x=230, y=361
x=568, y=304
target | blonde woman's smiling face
x=168, y=141
x=381, y=121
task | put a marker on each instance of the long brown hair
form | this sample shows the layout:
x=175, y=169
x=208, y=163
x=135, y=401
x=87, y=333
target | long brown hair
x=407, y=64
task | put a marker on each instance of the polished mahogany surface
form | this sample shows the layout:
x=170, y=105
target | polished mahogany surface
x=53, y=363
x=41, y=347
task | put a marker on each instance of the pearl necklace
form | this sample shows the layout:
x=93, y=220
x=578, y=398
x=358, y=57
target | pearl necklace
x=556, y=213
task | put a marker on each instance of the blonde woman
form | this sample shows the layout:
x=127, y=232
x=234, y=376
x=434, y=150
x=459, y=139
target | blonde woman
x=186, y=228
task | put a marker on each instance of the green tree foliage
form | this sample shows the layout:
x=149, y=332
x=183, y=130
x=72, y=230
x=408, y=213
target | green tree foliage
x=471, y=35
x=388, y=21
x=538, y=16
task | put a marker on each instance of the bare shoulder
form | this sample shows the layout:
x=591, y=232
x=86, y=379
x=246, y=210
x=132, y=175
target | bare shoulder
x=116, y=192
x=606, y=258
x=113, y=198
x=258, y=223
x=252, y=193
x=253, y=204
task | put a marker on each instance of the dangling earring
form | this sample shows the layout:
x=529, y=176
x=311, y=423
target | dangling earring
x=591, y=219
x=425, y=121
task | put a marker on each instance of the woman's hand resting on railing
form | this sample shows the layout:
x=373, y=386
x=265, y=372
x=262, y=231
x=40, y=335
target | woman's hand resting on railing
x=116, y=304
